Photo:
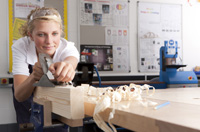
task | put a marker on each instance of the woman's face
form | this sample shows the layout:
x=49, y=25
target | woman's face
x=46, y=36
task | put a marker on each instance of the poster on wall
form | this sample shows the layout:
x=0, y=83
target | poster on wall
x=100, y=55
x=95, y=12
x=107, y=20
x=157, y=23
x=121, y=58
x=105, y=13
x=23, y=7
x=116, y=36
x=120, y=13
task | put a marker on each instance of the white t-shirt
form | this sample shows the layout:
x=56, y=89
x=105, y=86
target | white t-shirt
x=24, y=53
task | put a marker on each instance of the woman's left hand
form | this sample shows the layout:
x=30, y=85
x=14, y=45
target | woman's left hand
x=62, y=71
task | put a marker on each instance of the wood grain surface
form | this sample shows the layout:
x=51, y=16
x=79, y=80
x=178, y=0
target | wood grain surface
x=181, y=115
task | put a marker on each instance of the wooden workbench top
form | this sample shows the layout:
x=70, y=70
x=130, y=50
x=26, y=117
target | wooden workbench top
x=182, y=95
x=181, y=115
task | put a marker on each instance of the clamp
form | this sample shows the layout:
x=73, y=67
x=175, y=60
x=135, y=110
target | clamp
x=41, y=117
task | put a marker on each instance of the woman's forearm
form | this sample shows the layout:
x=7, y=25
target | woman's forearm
x=23, y=86
x=72, y=60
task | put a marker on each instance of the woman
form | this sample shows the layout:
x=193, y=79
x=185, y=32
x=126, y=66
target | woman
x=42, y=34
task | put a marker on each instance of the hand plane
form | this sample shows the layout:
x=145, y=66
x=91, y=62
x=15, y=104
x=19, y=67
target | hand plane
x=48, y=80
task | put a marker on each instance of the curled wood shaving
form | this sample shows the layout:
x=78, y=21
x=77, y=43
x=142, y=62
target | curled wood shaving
x=105, y=97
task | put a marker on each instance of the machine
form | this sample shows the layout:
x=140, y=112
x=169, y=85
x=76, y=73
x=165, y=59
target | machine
x=84, y=74
x=169, y=69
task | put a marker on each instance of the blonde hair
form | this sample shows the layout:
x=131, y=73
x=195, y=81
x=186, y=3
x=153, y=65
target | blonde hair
x=38, y=14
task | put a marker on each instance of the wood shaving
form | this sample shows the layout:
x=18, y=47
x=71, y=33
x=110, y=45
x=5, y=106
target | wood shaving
x=105, y=97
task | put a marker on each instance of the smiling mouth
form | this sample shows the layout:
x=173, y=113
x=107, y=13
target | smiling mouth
x=49, y=47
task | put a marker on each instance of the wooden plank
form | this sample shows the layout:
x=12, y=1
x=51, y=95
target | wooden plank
x=71, y=122
x=182, y=114
x=46, y=109
x=67, y=101
x=126, y=120
x=182, y=95
x=179, y=115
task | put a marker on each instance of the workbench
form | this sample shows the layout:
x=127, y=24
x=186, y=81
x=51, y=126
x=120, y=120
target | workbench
x=181, y=115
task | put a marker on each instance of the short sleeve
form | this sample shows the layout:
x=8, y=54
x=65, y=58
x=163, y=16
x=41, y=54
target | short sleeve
x=20, y=66
x=66, y=49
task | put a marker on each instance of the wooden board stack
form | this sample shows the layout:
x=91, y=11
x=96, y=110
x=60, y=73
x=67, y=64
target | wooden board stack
x=66, y=101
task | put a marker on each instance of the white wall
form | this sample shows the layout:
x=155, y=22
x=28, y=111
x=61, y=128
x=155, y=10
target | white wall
x=190, y=26
x=191, y=40
x=4, y=38
x=191, y=35
x=7, y=113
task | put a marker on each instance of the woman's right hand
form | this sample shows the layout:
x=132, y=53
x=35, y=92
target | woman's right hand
x=24, y=84
x=37, y=71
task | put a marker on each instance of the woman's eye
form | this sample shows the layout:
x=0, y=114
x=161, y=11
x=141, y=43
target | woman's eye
x=54, y=34
x=40, y=35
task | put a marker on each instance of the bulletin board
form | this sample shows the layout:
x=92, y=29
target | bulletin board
x=157, y=22
x=105, y=23
x=18, y=11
